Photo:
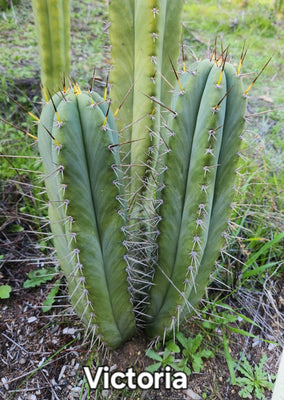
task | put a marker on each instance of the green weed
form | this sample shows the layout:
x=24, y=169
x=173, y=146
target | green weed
x=254, y=380
x=192, y=351
x=5, y=291
x=164, y=358
x=188, y=356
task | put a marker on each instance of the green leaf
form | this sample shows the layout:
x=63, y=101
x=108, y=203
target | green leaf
x=242, y=381
x=195, y=343
x=15, y=228
x=182, y=366
x=242, y=332
x=208, y=325
x=262, y=250
x=246, y=391
x=182, y=339
x=5, y=291
x=168, y=360
x=173, y=347
x=38, y=277
x=259, y=393
x=259, y=270
x=248, y=320
x=206, y=354
x=228, y=357
x=47, y=304
x=246, y=369
x=152, y=354
x=197, y=363
x=154, y=367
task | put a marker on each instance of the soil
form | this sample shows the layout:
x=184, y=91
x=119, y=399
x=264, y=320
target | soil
x=42, y=354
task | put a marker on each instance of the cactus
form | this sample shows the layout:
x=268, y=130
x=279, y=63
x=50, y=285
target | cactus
x=144, y=35
x=145, y=41
x=52, y=20
x=199, y=183
x=80, y=181
x=132, y=253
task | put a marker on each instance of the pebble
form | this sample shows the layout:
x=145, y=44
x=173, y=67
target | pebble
x=5, y=383
x=32, y=319
x=62, y=372
x=191, y=395
x=69, y=331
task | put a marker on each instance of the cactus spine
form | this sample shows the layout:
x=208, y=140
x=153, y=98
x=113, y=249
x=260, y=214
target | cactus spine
x=80, y=181
x=52, y=20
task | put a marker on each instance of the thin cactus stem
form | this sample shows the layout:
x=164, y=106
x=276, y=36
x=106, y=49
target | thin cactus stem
x=52, y=20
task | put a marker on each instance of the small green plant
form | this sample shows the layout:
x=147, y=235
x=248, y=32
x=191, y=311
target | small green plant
x=192, y=352
x=254, y=380
x=192, y=355
x=39, y=276
x=50, y=298
x=167, y=358
x=226, y=322
x=5, y=291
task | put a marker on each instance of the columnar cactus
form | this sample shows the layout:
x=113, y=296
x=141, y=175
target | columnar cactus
x=199, y=188
x=52, y=20
x=77, y=144
x=145, y=35
x=127, y=260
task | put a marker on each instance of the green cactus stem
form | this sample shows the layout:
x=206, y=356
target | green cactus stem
x=145, y=39
x=77, y=143
x=199, y=183
x=52, y=20
x=143, y=35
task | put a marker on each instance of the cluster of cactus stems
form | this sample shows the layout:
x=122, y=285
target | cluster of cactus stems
x=140, y=185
